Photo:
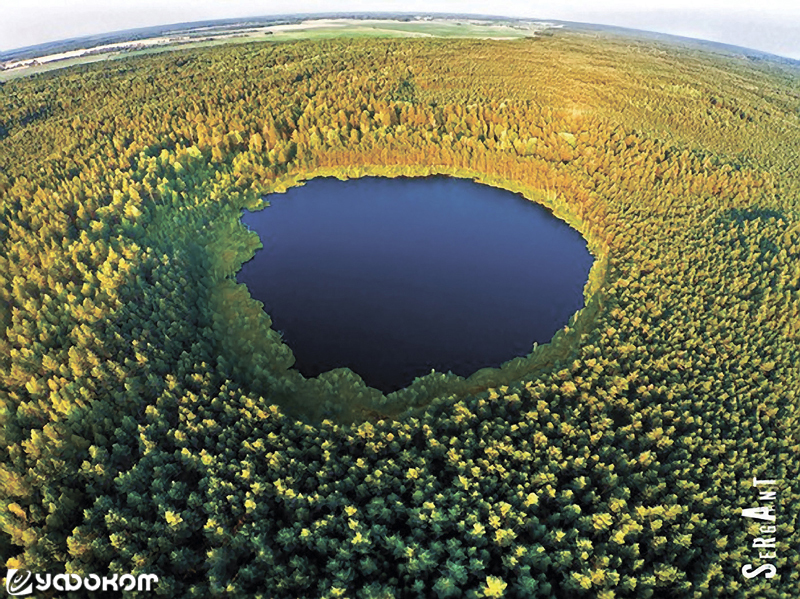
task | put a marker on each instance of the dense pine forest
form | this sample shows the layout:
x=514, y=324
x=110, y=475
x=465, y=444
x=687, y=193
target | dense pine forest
x=151, y=418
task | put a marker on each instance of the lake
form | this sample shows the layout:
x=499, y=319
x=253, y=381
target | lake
x=395, y=277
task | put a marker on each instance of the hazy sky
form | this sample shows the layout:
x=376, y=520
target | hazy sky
x=769, y=25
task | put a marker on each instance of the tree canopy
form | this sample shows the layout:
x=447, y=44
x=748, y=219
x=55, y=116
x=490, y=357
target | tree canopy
x=151, y=419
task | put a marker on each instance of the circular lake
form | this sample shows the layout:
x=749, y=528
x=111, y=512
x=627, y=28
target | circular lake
x=395, y=277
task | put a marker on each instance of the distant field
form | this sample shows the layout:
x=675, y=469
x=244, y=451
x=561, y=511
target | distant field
x=318, y=29
x=432, y=28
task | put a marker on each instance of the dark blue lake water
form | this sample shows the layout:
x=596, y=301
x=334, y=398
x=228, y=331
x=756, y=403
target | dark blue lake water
x=395, y=277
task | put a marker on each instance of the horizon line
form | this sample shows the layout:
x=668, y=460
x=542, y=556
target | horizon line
x=353, y=15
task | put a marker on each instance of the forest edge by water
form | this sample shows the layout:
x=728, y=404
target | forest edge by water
x=424, y=389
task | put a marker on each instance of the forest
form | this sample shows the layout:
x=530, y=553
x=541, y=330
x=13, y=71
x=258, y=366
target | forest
x=151, y=420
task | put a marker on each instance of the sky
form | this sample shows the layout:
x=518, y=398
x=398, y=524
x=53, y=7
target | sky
x=768, y=25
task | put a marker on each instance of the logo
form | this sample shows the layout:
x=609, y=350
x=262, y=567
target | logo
x=18, y=583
